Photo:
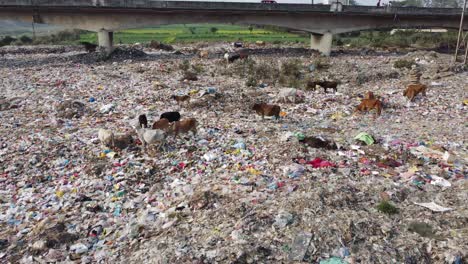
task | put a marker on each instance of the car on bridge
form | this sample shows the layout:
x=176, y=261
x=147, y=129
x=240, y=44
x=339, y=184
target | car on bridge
x=269, y=2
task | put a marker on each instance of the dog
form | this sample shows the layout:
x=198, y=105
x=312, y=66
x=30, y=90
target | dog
x=413, y=90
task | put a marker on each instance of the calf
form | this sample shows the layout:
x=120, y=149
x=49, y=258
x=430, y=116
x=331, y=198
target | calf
x=162, y=124
x=324, y=84
x=414, y=89
x=267, y=110
x=184, y=126
x=171, y=116
x=369, y=104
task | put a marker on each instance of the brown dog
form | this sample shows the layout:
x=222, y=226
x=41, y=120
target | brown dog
x=184, y=126
x=369, y=104
x=414, y=89
x=267, y=110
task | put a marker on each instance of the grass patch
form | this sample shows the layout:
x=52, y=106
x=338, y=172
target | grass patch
x=399, y=64
x=387, y=208
x=199, y=32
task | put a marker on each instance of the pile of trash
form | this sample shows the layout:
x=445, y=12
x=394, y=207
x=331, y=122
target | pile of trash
x=322, y=184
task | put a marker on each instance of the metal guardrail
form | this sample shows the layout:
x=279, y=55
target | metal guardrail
x=234, y=6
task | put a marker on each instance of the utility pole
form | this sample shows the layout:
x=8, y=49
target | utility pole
x=460, y=30
x=33, y=31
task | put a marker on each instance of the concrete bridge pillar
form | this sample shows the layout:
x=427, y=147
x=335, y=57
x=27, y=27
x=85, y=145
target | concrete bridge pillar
x=106, y=40
x=322, y=43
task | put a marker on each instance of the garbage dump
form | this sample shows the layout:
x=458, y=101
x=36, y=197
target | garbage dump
x=317, y=182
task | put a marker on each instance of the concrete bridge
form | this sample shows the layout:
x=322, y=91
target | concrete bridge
x=322, y=21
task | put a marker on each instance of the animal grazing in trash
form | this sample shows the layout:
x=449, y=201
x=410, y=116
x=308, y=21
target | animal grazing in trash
x=171, y=116
x=106, y=137
x=369, y=95
x=162, y=124
x=315, y=142
x=89, y=47
x=238, y=44
x=231, y=57
x=184, y=126
x=413, y=90
x=267, y=110
x=369, y=104
x=324, y=84
x=143, y=121
x=151, y=136
x=290, y=95
x=181, y=98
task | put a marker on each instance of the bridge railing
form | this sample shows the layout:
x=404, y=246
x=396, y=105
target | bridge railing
x=187, y=5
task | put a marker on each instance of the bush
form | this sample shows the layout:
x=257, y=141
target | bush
x=292, y=68
x=403, y=64
x=185, y=65
x=251, y=81
x=387, y=208
x=25, y=39
x=7, y=40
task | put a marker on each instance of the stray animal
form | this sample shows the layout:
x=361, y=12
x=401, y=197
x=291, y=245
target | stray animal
x=315, y=142
x=369, y=104
x=238, y=44
x=203, y=54
x=231, y=57
x=290, y=95
x=184, y=126
x=171, y=116
x=162, y=124
x=413, y=90
x=151, y=137
x=324, y=84
x=143, y=121
x=89, y=47
x=180, y=99
x=369, y=95
x=267, y=110
x=106, y=137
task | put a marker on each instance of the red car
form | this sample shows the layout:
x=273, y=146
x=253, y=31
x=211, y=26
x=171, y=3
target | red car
x=268, y=2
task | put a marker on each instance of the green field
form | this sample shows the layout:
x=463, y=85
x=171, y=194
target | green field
x=201, y=32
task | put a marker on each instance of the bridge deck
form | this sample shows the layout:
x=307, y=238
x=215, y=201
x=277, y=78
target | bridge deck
x=151, y=5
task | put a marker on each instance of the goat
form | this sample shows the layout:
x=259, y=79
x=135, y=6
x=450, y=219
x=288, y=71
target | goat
x=106, y=137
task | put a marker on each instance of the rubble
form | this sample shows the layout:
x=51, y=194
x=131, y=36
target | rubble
x=242, y=190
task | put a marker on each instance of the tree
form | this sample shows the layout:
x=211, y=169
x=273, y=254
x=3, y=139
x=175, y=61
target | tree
x=192, y=30
x=213, y=30
x=250, y=29
x=441, y=3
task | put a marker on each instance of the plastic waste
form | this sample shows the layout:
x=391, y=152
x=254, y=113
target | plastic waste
x=366, y=138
